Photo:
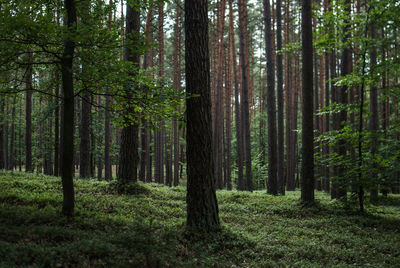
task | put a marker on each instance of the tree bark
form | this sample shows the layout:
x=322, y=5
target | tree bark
x=307, y=164
x=374, y=117
x=279, y=74
x=128, y=156
x=239, y=137
x=202, y=208
x=177, y=86
x=244, y=55
x=218, y=115
x=28, y=120
x=270, y=102
x=68, y=112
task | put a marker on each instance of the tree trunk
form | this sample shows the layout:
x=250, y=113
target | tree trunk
x=279, y=73
x=307, y=164
x=244, y=54
x=84, y=149
x=57, y=129
x=11, y=161
x=28, y=121
x=271, y=104
x=2, y=116
x=128, y=156
x=218, y=116
x=68, y=112
x=239, y=137
x=202, y=207
x=374, y=117
x=177, y=86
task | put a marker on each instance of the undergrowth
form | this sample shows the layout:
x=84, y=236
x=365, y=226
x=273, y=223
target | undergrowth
x=142, y=225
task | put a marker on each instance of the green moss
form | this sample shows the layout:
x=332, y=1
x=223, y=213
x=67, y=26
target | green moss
x=142, y=225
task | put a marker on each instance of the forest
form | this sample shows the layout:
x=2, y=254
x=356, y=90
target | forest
x=199, y=133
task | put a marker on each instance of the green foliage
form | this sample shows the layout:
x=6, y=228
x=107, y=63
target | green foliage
x=147, y=228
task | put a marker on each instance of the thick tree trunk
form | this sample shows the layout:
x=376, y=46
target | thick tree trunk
x=202, y=208
x=128, y=156
x=307, y=164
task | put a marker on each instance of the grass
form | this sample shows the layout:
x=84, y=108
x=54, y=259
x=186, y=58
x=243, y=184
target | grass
x=144, y=227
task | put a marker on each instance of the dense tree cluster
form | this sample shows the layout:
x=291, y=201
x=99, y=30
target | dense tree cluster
x=213, y=94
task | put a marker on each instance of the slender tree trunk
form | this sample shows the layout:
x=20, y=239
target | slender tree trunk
x=57, y=128
x=107, y=124
x=6, y=136
x=271, y=105
x=289, y=105
x=342, y=99
x=218, y=116
x=279, y=73
x=2, y=116
x=28, y=121
x=11, y=161
x=68, y=112
x=244, y=54
x=177, y=86
x=239, y=137
x=307, y=164
x=228, y=122
x=84, y=149
x=374, y=116
x=202, y=207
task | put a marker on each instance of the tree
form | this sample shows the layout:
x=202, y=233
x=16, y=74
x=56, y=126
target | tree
x=68, y=110
x=239, y=130
x=271, y=110
x=244, y=57
x=202, y=207
x=307, y=152
x=28, y=120
x=279, y=74
x=128, y=156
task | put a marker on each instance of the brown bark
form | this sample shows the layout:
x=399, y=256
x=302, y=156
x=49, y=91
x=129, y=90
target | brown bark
x=279, y=74
x=272, y=139
x=2, y=116
x=307, y=164
x=68, y=112
x=177, y=86
x=218, y=114
x=202, y=208
x=239, y=137
x=107, y=124
x=128, y=157
x=374, y=116
x=28, y=121
x=244, y=55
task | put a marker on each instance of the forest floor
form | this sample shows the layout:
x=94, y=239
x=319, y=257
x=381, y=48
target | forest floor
x=145, y=228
